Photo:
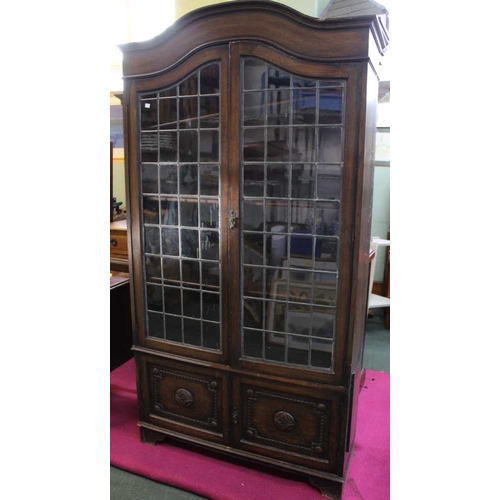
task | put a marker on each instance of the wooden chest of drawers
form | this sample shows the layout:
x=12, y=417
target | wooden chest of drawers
x=118, y=246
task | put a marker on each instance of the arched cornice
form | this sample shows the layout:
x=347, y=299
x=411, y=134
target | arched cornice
x=299, y=35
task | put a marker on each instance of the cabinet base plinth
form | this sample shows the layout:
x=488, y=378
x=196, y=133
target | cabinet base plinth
x=151, y=437
x=328, y=489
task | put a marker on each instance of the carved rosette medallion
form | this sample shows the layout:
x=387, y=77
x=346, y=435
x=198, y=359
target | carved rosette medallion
x=284, y=421
x=183, y=398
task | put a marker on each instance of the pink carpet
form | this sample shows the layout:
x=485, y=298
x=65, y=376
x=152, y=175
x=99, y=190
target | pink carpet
x=222, y=479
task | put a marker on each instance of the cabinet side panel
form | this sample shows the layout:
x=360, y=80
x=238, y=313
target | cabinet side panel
x=368, y=121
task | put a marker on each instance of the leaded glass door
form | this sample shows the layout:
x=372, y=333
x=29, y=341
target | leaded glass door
x=182, y=163
x=292, y=227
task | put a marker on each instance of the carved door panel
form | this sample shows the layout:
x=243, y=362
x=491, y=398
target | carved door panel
x=294, y=424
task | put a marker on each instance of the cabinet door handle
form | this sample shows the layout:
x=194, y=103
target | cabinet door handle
x=235, y=415
x=114, y=242
x=233, y=218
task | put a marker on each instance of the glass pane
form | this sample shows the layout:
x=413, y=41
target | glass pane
x=189, y=243
x=171, y=274
x=277, y=78
x=168, y=146
x=323, y=322
x=168, y=114
x=155, y=325
x=149, y=115
x=191, y=302
x=253, y=313
x=276, y=316
x=302, y=217
x=278, y=144
x=278, y=107
x=253, y=249
x=252, y=343
x=172, y=300
x=303, y=180
x=209, y=213
x=210, y=276
x=298, y=350
x=178, y=195
x=155, y=298
x=152, y=240
x=190, y=273
x=276, y=250
x=209, y=79
x=189, y=212
x=321, y=353
x=173, y=328
x=275, y=346
x=188, y=112
x=253, y=215
x=189, y=86
x=188, y=146
x=304, y=144
x=168, y=179
x=254, y=74
x=170, y=241
x=253, y=144
x=192, y=331
x=327, y=217
x=210, y=245
x=153, y=269
x=149, y=147
x=292, y=144
x=169, y=212
x=329, y=142
x=304, y=106
x=277, y=181
x=188, y=179
x=254, y=108
x=211, y=335
x=209, y=145
x=149, y=178
x=330, y=182
x=209, y=180
x=211, y=307
x=277, y=213
x=253, y=180
x=150, y=210
x=209, y=112
x=330, y=106
x=253, y=284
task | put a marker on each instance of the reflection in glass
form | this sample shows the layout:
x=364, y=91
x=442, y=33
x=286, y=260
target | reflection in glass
x=276, y=249
x=155, y=325
x=168, y=179
x=173, y=328
x=209, y=112
x=153, y=269
x=253, y=215
x=298, y=350
x=327, y=216
x=277, y=216
x=253, y=313
x=253, y=249
x=278, y=107
x=277, y=181
x=209, y=213
x=210, y=276
x=254, y=74
x=168, y=146
x=172, y=300
x=299, y=319
x=277, y=78
x=275, y=346
x=152, y=240
x=190, y=273
x=329, y=150
x=304, y=106
x=149, y=147
x=253, y=144
x=209, y=180
x=211, y=306
x=323, y=322
x=189, y=212
x=211, y=335
x=189, y=86
x=303, y=144
x=209, y=79
x=276, y=316
x=149, y=178
x=170, y=241
x=252, y=343
x=253, y=281
x=188, y=112
x=330, y=182
x=149, y=115
x=253, y=108
x=326, y=254
x=168, y=114
x=253, y=180
x=191, y=301
x=210, y=245
x=154, y=298
x=188, y=146
x=303, y=180
x=171, y=274
x=321, y=353
x=301, y=248
x=189, y=243
x=192, y=331
x=278, y=144
x=302, y=216
x=209, y=145
x=169, y=212
x=188, y=181
x=150, y=210
x=330, y=106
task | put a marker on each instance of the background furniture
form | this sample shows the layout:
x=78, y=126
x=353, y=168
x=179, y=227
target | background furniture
x=249, y=155
x=120, y=341
x=118, y=246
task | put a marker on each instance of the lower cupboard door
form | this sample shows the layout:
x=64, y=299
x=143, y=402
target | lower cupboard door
x=298, y=425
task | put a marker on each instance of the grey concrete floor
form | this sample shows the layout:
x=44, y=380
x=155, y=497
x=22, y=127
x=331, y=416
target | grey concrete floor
x=127, y=486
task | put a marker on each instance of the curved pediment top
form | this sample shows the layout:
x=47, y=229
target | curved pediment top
x=271, y=22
